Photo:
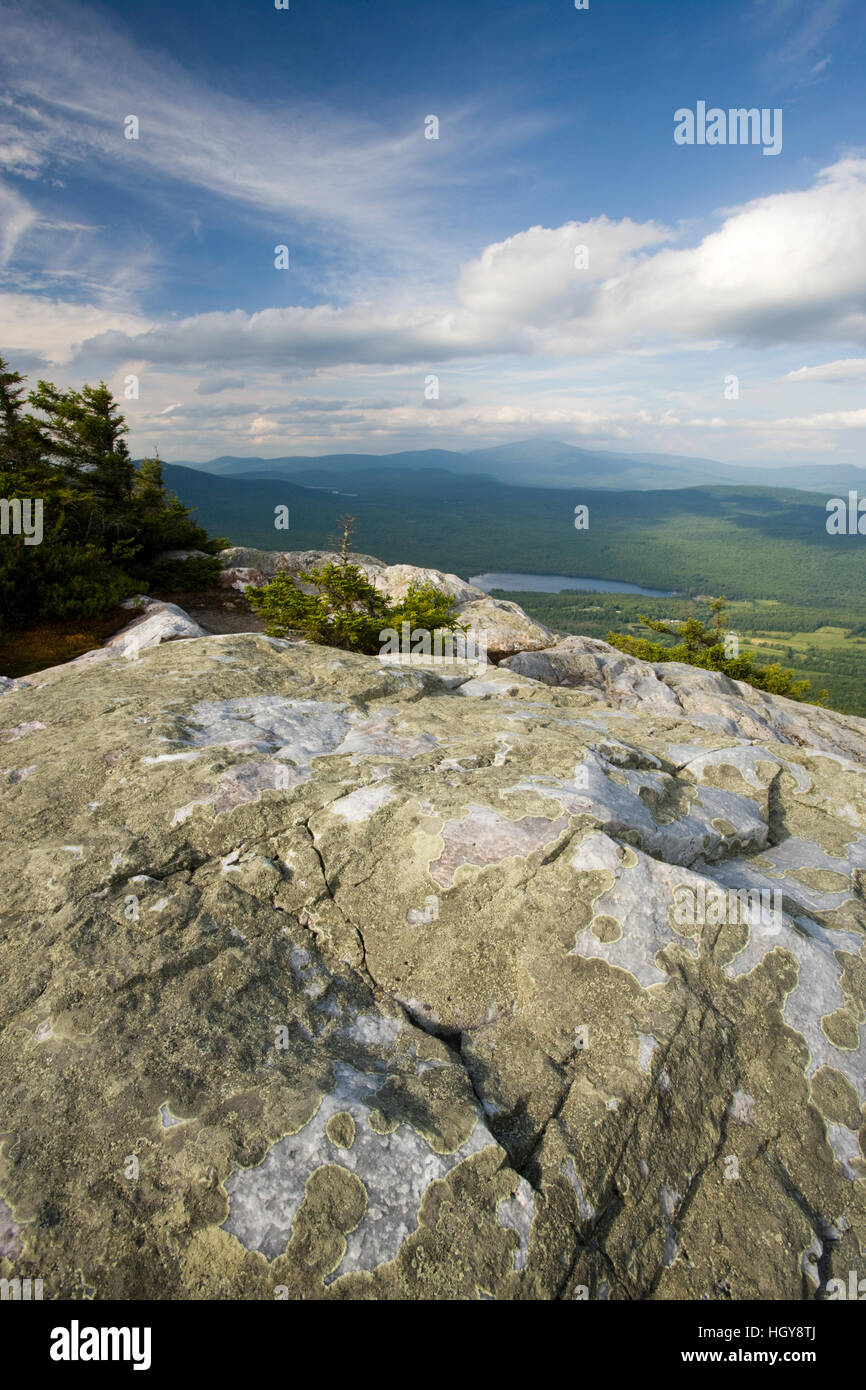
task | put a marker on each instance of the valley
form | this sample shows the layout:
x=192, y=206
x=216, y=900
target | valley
x=797, y=593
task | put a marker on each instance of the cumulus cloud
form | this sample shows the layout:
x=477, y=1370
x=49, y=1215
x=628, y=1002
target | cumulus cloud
x=307, y=336
x=49, y=327
x=786, y=268
x=538, y=277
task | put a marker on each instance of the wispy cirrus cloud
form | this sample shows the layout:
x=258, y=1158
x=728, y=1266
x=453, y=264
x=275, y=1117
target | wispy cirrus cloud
x=72, y=78
x=16, y=217
x=798, y=32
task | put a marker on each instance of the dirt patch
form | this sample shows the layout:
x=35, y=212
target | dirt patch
x=217, y=610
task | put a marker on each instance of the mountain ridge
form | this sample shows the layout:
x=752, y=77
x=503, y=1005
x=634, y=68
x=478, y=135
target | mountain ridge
x=543, y=462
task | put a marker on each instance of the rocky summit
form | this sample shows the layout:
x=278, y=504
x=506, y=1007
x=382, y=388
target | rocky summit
x=324, y=978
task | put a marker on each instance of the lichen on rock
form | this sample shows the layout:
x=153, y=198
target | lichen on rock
x=326, y=979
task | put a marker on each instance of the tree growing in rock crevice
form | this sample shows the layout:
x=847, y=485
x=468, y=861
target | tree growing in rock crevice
x=346, y=610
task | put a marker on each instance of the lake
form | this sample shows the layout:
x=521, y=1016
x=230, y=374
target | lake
x=555, y=583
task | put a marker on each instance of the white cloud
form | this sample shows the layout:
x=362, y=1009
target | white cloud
x=74, y=75
x=18, y=157
x=50, y=328
x=828, y=420
x=849, y=370
x=532, y=277
x=786, y=268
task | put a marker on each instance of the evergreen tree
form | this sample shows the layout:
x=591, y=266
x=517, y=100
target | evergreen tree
x=23, y=444
x=104, y=521
x=85, y=430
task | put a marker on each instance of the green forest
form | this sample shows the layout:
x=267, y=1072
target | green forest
x=797, y=595
x=755, y=543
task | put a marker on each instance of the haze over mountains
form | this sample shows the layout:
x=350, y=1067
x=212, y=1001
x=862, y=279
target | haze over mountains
x=543, y=462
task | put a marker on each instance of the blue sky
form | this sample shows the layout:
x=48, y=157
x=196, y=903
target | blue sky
x=452, y=258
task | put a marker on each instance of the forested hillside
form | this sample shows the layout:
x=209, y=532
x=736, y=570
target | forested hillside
x=753, y=543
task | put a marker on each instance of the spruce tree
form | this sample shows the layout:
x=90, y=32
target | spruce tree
x=23, y=445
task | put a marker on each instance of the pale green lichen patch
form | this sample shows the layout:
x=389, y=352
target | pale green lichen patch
x=340, y=1129
x=842, y=1030
x=836, y=1098
x=607, y=929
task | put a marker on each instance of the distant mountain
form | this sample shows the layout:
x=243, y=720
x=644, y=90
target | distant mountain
x=550, y=463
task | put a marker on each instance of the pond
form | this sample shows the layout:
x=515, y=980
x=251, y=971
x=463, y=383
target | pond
x=555, y=583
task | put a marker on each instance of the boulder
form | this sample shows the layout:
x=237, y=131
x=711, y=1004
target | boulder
x=326, y=979
x=166, y=556
x=264, y=564
x=241, y=577
x=395, y=581
x=159, y=622
x=711, y=700
x=505, y=627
